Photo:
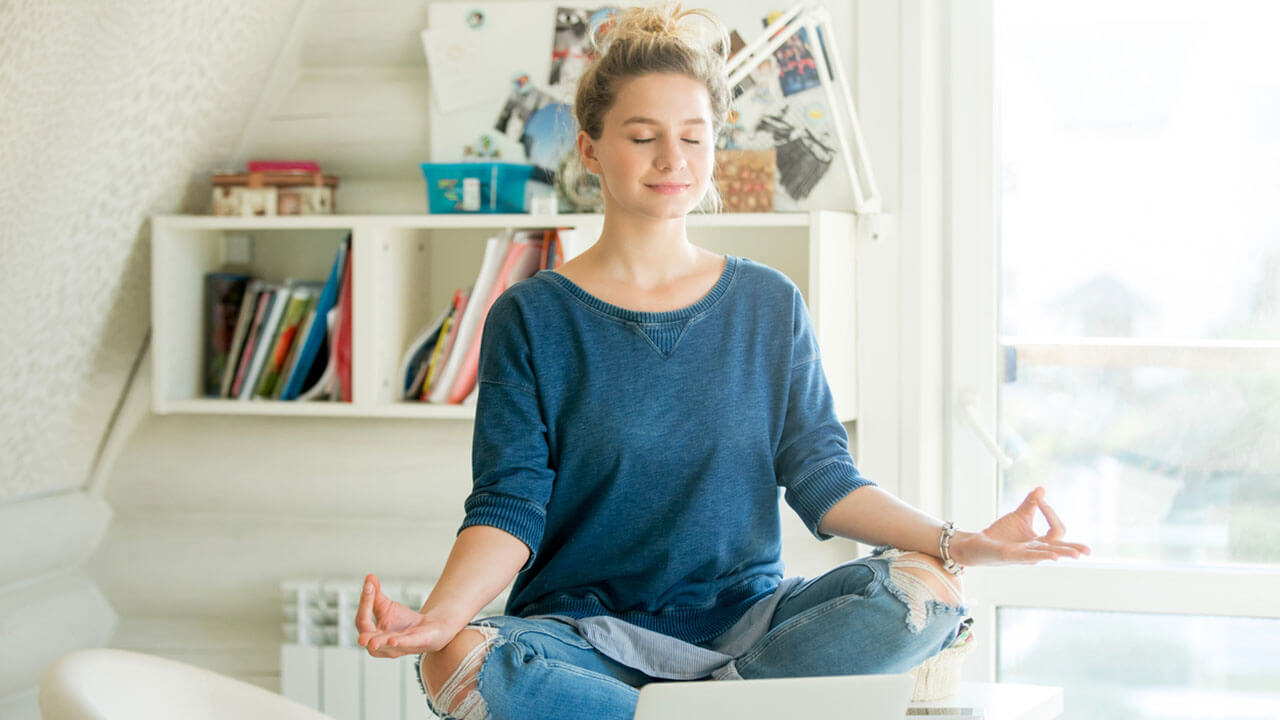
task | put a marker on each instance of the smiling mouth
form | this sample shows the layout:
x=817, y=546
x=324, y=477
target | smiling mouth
x=669, y=188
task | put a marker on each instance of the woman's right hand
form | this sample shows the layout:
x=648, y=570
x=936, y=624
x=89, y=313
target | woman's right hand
x=390, y=630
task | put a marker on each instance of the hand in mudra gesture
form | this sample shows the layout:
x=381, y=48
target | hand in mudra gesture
x=1012, y=539
x=389, y=629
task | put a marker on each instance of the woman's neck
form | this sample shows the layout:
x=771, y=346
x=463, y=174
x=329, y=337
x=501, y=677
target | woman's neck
x=643, y=252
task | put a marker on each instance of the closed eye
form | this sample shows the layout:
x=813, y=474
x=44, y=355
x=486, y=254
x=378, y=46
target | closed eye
x=648, y=140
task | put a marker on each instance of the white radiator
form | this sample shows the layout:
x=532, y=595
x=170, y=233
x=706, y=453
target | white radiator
x=322, y=666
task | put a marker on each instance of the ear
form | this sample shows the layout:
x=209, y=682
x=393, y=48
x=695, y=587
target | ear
x=587, y=149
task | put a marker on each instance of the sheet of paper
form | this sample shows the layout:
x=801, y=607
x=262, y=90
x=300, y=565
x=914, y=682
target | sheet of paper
x=463, y=73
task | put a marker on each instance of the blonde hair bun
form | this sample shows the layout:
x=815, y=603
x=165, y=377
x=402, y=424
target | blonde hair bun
x=665, y=20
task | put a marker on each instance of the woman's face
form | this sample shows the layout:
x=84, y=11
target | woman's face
x=656, y=151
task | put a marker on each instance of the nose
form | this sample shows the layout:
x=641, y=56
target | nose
x=669, y=157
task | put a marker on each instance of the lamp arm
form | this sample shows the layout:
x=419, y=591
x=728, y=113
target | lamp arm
x=809, y=16
x=866, y=200
x=739, y=64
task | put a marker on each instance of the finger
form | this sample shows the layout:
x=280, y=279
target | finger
x=1063, y=549
x=1032, y=500
x=364, y=611
x=378, y=642
x=1056, y=528
x=380, y=650
x=418, y=641
x=1031, y=555
x=396, y=645
x=1077, y=547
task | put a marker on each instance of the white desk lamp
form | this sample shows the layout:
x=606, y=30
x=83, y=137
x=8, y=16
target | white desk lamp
x=809, y=15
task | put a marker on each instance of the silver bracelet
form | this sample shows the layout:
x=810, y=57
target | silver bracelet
x=944, y=546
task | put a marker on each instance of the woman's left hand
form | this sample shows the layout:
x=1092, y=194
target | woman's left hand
x=1011, y=539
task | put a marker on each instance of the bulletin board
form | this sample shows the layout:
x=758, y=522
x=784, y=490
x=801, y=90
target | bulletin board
x=499, y=91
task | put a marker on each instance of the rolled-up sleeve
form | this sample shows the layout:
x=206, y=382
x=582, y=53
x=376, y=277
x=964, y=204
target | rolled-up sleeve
x=511, y=477
x=812, y=461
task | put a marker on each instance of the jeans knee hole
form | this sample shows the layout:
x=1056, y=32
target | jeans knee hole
x=459, y=697
x=919, y=585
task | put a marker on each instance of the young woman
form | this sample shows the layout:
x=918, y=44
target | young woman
x=640, y=409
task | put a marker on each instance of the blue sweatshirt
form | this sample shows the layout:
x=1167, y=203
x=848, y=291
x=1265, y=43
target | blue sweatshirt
x=640, y=455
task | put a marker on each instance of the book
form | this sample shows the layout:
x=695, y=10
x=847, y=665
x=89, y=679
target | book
x=318, y=331
x=265, y=339
x=416, y=357
x=437, y=354
x=319, y=382
x=340, y=347
x=223, y=296
x=552, y=255
x=297, y=295
x=414, y=389
x=246, y=354
x=495, y=251
x=304, y=326
x=520, y=262
x=460, y=299
x=248, y=304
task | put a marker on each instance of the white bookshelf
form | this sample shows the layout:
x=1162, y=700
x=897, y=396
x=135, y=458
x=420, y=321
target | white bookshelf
x=406, y=268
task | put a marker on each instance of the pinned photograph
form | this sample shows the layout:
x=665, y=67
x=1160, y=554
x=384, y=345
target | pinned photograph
x=521, y=104
x=797, y=70
x=549, y=135
x=571, y=48
x=745, y=179
x=803, y=157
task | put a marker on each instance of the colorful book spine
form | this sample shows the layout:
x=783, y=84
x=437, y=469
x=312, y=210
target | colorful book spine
x=248, y=306
x=461, y=297
x=223, y=296
x=246, y=355
x=521, y=262
x=316, y=335
x=296, y=305
x=266, y=339
x=291, y=362
x=494, y=251
x=342, y=338
x=436, y=353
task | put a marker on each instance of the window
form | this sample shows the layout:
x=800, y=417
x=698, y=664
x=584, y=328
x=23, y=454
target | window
x=1132, y=365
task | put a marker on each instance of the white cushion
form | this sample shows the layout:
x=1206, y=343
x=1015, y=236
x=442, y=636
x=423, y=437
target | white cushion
x=110, y=684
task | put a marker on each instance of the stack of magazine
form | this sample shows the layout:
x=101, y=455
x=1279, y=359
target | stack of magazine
x=279, y=341
x=440, y=364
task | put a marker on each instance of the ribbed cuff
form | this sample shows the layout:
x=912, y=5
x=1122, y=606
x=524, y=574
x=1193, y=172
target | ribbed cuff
x=814, y=495
x=517, y=516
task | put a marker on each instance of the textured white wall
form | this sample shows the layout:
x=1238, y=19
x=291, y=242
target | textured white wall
x=109, y=111
x=112, y=111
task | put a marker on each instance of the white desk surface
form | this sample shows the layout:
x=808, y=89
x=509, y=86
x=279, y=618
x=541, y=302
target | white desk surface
x=1002, y=701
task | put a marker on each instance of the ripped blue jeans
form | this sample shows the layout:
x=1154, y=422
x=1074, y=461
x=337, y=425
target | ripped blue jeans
x=887, y=616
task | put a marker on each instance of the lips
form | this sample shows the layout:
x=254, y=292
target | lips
x=668, y=188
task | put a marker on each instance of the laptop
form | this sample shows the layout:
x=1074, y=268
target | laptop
x=847, y=697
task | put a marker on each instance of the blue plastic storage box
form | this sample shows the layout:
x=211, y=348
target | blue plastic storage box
x=502, y=186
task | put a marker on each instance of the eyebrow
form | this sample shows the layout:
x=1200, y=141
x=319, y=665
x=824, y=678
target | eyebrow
x=651, y=121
